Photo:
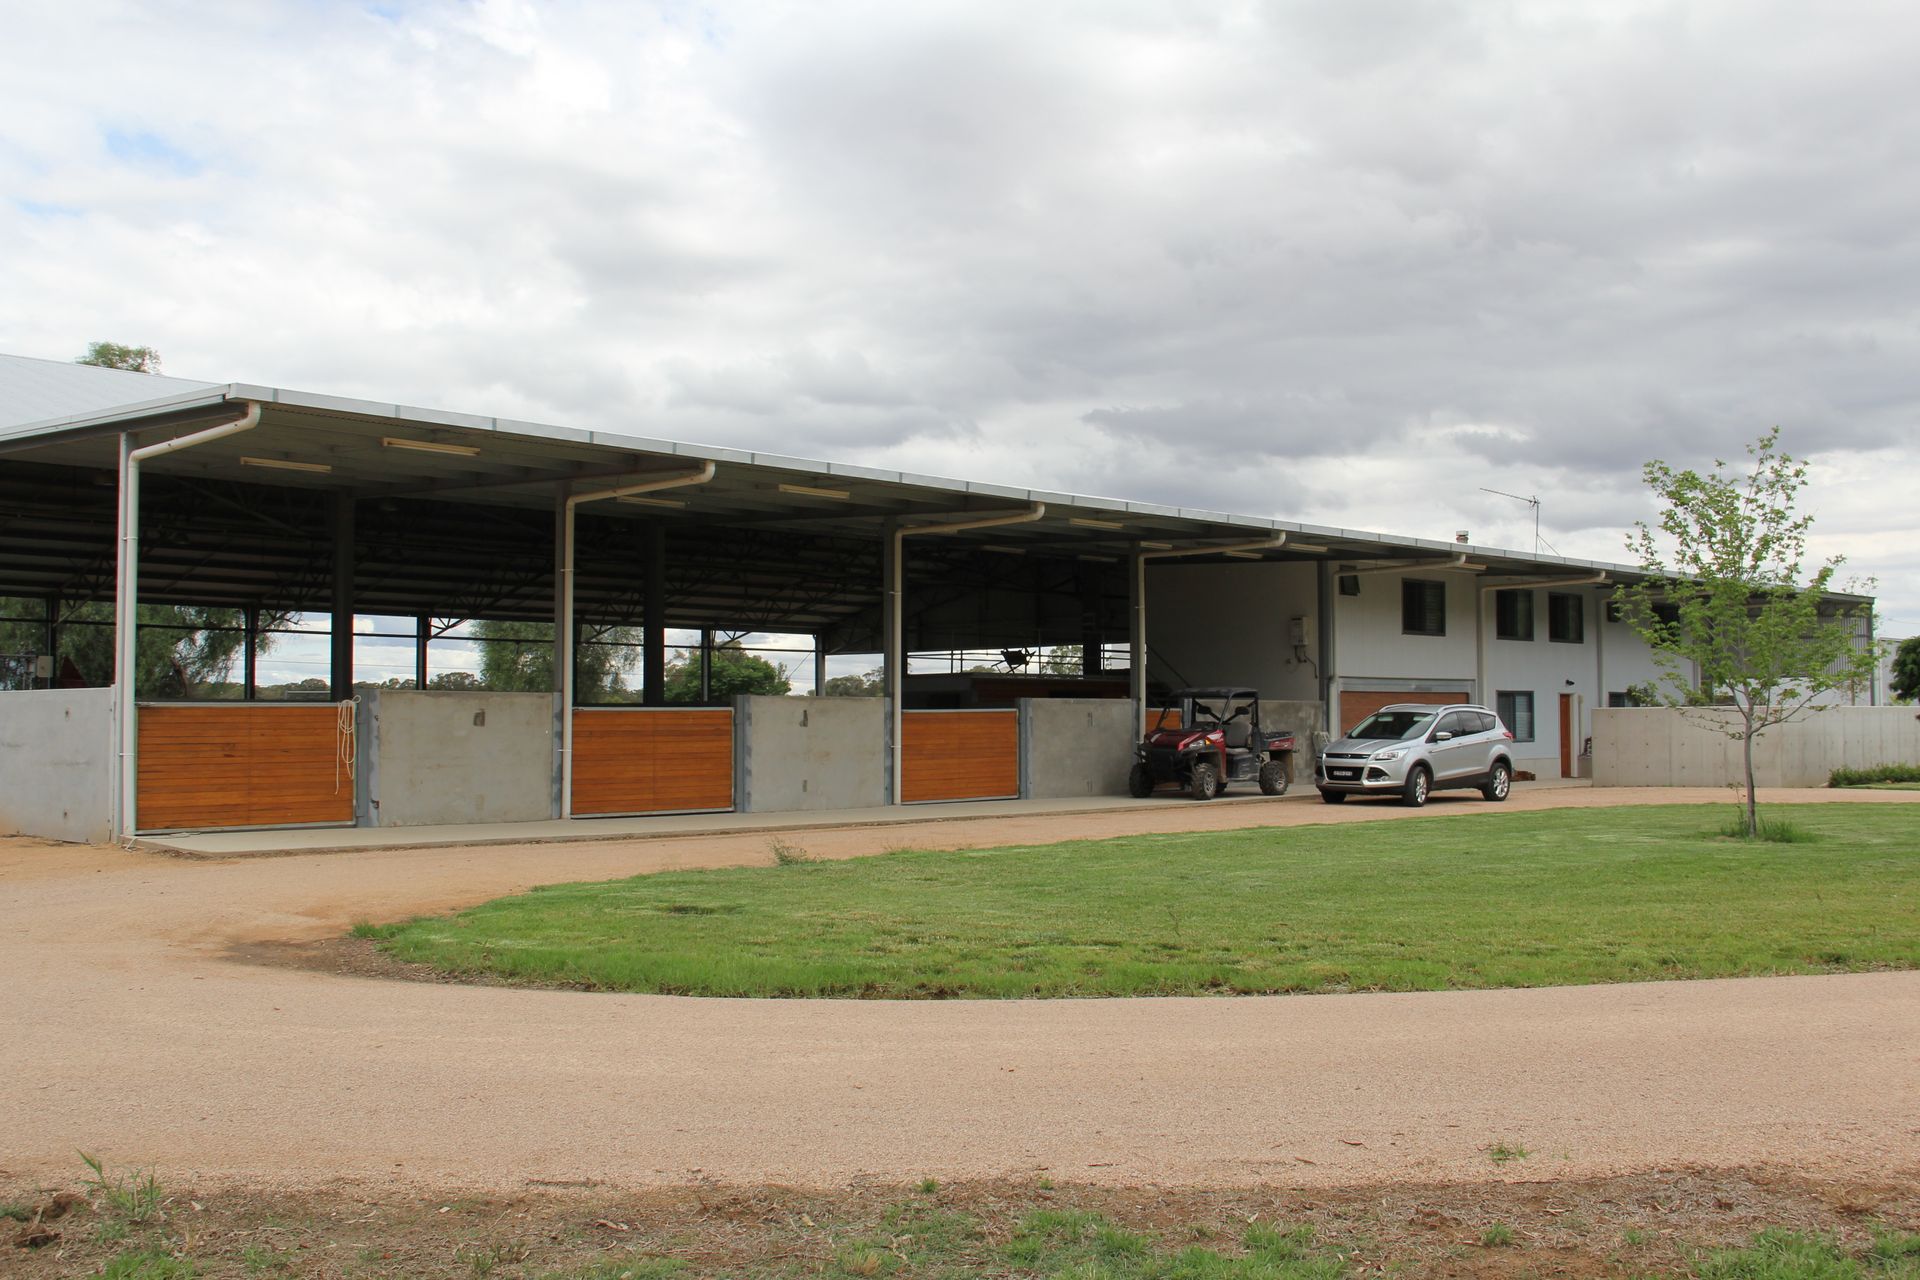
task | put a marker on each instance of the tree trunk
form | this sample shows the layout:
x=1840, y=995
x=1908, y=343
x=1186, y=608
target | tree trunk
x=1753, y=814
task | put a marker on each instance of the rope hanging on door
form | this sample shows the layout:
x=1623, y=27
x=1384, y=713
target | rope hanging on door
x=346, y=745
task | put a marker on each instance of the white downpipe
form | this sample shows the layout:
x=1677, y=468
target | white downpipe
x=563, y=633
x=126, y=602
x=1137, y=640
x=896, y=618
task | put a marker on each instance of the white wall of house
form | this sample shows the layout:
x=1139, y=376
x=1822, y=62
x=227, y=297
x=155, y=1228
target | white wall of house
x=1229, y=624
x=1369, y=642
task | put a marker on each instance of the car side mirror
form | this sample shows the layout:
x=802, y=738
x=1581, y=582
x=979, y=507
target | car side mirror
x=1443, y=736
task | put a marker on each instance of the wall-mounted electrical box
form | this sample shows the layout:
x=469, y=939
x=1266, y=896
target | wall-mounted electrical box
x=1296, y=630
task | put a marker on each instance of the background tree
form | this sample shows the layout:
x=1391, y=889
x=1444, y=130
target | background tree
x=734, y=671
x=866, y=685
x=1906, y=670
x=183, y=651
x=518, y=657
x=111, y=355
x=1729, y=595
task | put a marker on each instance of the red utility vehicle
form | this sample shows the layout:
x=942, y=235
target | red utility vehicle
x=1203, y=739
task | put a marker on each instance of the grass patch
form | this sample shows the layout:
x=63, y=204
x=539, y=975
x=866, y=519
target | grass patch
x=1498, y=1235
x=131, y=1196
x=1471, y=901
x=1766, y=829
x=1507, y=1153
x=147, y=1264
x=1775, y=1254
x=1880, y=773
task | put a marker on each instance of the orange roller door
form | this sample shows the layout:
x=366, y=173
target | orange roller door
x=630, y=760
x=242, y=765
x=959, y=755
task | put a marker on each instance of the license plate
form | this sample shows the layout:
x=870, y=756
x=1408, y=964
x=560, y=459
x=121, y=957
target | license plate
x=1343, y=775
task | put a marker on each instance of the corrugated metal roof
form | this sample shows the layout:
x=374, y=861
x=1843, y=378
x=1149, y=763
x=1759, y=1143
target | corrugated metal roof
x=36, y=391
x=77, y=402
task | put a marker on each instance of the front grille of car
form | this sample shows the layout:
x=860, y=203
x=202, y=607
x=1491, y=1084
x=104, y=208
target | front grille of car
x=1346, y=755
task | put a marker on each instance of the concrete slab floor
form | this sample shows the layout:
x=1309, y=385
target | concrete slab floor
x=235, y=844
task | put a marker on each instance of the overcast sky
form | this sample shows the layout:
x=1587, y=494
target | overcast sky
x=1342, y=262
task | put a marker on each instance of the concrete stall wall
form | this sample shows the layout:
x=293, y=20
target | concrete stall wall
x=1215, y=624
x=1664, y=747
x=56, y=751
x=809, y=753
x=1075, y=747
x=1304, y=720
x=433, y=756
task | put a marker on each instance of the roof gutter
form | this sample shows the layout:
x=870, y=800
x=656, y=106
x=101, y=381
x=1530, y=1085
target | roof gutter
x=563, y=623
x=1456, y=561
x=1593, y=579
x=126, y=599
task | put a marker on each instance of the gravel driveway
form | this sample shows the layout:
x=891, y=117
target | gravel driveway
x=128, y=1029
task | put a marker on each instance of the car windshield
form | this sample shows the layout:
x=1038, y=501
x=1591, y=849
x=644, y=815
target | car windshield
x=1394, y=726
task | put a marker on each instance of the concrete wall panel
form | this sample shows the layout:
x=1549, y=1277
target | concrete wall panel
x=435, y=756
x=1664, y=747
x=809, y=753
x=56, y=752
x=1075, y=747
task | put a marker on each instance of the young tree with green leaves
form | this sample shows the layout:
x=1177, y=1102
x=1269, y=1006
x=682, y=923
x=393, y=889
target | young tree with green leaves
x=1730, y=596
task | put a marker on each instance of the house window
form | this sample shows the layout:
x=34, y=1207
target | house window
x=1513, y=615
x=1423, y=607
x=1349, y=584
x=1516, y=712
x=1566, y=618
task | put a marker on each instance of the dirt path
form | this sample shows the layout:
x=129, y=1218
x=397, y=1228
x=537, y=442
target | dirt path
x=125, y=1029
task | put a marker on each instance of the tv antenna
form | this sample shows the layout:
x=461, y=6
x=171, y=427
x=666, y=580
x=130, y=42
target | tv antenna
x=1533, y=502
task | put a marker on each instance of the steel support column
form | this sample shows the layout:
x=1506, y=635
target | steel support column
x=342, y=597
x=126, y=609
x=653, y=619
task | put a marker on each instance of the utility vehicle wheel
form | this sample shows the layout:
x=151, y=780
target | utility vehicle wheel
x=1499, y=782
x=1419, y=787
x=1205, y=783
x=1334, y=797
x=1139, y=782
x=1275, y=778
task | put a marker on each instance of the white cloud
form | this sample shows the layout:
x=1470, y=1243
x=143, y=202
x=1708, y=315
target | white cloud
x=1339, y=263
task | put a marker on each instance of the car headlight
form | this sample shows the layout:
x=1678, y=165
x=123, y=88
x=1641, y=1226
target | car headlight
x=1392, y=754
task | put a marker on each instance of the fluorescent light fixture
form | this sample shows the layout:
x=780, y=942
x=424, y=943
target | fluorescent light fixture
x=808, y=491
x=1242, y=555
x=637, y=501
x=1154, y=546
x=1097, y=559
x=1005, y=551
x=282, y=464
x=1084, y=523
x=1309, y=548
x=430, y=446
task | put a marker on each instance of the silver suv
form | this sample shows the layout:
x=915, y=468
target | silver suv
x=1412, y=750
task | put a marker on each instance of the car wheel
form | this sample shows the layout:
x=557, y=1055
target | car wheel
x=1275, y=778
x=1334, y=797
x=1139, y=782
x=1419, y=787
x=1205, y=783
x=1499, y=783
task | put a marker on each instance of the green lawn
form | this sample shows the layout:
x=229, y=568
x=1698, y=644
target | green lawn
x=1496, y=899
